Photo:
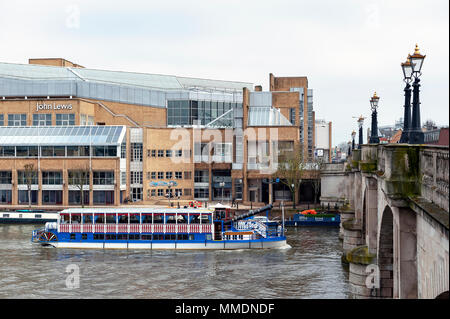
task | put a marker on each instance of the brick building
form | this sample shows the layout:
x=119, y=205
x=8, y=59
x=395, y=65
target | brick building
x=207, y=139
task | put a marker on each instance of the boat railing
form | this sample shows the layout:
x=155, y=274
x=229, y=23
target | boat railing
x=252, y=224
x=135, y=228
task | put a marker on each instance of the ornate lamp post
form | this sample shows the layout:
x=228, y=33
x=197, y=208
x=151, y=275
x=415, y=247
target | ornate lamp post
x=353, y=139
x=374, y=139
x=360, y=124
x=407, y=77
x=416, y=135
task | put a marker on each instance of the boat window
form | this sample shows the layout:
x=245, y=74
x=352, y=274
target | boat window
x=146, y=237
x=99, y=219
x=134, y=219
x=146, y=218
x=5, y=215
x=87, y=219
x=76, y=218
x=83, y=236
x=195, y=219
x=64, y=219
x=72, y=236
x=191, y=236
x=133, y=236
x=182, y=219
x=123, y=219
x=122, y=236
x=99, y=236
x=111, y=236
x=110, y=218
x=170, y=219
x=206, y=219
x=158, y=219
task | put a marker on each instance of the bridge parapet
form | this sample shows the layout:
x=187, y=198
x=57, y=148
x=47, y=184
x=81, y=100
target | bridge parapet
x=434, y=168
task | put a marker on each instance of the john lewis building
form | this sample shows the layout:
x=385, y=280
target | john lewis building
x=126, y=130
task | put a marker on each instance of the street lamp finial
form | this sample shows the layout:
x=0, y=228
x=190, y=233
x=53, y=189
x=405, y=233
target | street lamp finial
x=416, y=51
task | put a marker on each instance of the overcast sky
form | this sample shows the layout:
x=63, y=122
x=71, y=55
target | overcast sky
x=348, y=49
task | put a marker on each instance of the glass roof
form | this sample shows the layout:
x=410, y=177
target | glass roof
x=61, y=135
x=157, y=81
x=266, y=116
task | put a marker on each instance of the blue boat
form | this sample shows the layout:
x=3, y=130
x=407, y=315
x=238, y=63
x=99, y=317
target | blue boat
x=160, y=228
x=311, y=220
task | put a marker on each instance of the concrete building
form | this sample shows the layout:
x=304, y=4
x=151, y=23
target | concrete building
x=323, y=140
x=193, y=138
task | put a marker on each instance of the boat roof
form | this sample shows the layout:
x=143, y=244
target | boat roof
x=136, y=210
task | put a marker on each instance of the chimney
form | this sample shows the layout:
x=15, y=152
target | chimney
x=258, y=88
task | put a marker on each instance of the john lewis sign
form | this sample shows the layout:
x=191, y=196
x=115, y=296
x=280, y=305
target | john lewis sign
x=53, y=106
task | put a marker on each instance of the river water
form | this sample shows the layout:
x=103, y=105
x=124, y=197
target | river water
x=310, y=269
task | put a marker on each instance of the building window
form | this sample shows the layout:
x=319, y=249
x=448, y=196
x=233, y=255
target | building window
x=17, y=120
x=187, y=175
x=178, y=153
x=168, y=153
x=153, y=175
x=201, y=193
x=77, y=151
x=153, y=192
x=103, y=197
x=5, y=196
x=42, y=119
x=51, y=197
x=178, y=175
x=23, y=196
x=201, y=177
x=160, y=153
x=75, y=197
x=153, y=153
x=103, y=178
x=2, y=119
x=78, y=177
x=160, y=175
x=136, y=194
x=292, y=115
x=168, y=175
x=7, y=151
x=187, y=192
x=136, y=152
x=160, y=192
x=123, y=150
x=104, y=151
x=65, y=119
x=135, y=177
x=52, y=178
x=178, y=192
x=5, y=177
x=123, y=178
x=238, y=188
x=23, y=177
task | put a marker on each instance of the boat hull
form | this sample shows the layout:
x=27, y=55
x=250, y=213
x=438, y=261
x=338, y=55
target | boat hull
x=208, y=245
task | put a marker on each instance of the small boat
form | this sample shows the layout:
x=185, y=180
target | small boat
x=28, y=216
x=161, y=228
x=318, y=219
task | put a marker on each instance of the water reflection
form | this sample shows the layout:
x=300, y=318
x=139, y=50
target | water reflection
x=310, y=269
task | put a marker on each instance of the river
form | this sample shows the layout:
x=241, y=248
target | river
x=310, y=269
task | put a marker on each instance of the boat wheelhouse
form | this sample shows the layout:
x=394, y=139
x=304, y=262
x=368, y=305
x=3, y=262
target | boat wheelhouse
x=159, y=228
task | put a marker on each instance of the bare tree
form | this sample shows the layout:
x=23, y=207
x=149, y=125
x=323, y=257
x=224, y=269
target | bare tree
x=79, y=178
x=30, y=175
x=290, y=170
x=316, y=168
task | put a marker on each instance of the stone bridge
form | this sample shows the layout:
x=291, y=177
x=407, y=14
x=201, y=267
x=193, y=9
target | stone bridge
x=394, y=201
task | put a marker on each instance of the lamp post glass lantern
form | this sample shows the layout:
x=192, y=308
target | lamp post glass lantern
x=353, y=139
x=407, y=68
x=374, y=139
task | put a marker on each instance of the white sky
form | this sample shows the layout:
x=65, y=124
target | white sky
x=348, y=49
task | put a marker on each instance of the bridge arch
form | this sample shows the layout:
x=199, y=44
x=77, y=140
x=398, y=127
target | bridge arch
x=385, y=255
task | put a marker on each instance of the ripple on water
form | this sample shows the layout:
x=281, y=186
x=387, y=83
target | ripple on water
x=311, y=268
